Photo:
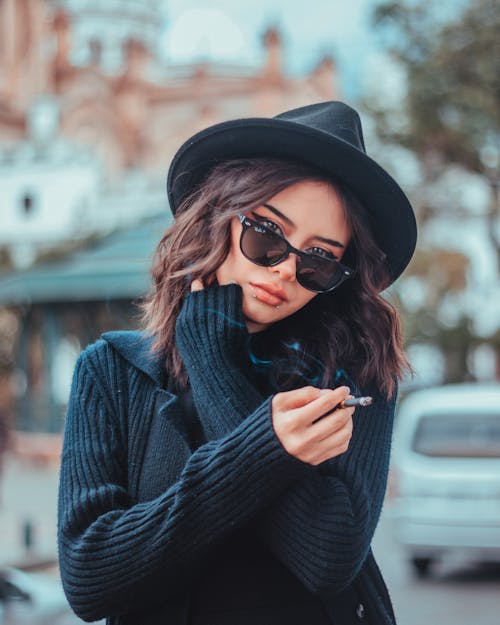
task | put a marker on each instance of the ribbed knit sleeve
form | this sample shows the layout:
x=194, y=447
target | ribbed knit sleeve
x=115, y=555
x=322, y=526
x=213, y=341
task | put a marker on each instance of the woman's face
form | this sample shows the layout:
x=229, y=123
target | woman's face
x=305, y=214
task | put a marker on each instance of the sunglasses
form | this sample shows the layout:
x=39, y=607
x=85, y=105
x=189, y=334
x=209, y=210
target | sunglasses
x=266, y=248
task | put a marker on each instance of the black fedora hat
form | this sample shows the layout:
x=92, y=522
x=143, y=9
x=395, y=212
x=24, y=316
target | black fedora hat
x=328, y=136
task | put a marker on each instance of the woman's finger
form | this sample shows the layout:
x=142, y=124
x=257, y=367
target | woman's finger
x=288, y=400
x=332, y=446
x=196, y=285
x=336, y=422
x=323, y=403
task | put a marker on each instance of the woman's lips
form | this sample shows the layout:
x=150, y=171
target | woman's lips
x=266, y=296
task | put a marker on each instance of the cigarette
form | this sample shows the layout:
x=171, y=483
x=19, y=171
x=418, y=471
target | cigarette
x=356, y=401
x=347, y=403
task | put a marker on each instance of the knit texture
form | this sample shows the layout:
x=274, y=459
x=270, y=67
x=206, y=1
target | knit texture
x=139, y=513
x=114, y=554
x=322, y=526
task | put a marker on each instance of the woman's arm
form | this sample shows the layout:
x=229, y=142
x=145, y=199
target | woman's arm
x=115, y=555
x=322, y=526
x=214, y=344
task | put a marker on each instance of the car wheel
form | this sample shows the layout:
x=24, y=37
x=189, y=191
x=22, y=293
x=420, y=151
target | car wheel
x=422, y=566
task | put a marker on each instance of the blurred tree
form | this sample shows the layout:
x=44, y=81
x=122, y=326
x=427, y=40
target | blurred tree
x=440, y=274
x=452, y=62
x=450, y=115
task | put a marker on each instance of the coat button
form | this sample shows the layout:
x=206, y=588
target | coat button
x=360, y=611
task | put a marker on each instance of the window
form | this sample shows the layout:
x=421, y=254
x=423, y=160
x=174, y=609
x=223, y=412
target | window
x=28, y=204
x=468, y=435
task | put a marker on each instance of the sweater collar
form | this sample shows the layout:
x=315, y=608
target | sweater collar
x=136, y=348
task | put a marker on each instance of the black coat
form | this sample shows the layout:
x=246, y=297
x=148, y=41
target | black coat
x=141, y=515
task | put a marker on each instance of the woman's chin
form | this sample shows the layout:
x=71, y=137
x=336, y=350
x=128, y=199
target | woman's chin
x=257, y=318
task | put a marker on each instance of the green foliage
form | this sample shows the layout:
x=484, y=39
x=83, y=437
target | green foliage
x=450, y=54
x=453, y=70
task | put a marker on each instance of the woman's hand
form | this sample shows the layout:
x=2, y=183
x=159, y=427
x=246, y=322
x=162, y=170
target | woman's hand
x=197, y=284
x=293, y=414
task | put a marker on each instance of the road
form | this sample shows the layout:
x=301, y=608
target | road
x=456, y=594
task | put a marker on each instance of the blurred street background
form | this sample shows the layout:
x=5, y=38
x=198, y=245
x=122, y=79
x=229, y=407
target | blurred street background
x=95, y=98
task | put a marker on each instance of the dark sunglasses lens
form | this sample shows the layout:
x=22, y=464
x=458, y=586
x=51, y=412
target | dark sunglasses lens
x=262, y=246
x=265, y=248
x=318, y=274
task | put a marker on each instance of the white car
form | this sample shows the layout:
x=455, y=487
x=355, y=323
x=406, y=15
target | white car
x=446, y=474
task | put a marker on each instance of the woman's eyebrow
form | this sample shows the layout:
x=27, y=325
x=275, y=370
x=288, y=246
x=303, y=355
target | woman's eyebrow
x=288, y=221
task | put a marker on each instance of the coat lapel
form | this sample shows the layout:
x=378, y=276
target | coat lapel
x=159, y=440
x=166, y=449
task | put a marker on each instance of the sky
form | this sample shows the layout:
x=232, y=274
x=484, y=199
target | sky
x=230, y=30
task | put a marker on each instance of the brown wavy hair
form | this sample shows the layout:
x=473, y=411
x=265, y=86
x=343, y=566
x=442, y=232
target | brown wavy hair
x=354, y=327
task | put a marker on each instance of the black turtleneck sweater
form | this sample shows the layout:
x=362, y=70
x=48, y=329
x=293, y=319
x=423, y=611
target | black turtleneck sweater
x=155, y=530
x=243, y=583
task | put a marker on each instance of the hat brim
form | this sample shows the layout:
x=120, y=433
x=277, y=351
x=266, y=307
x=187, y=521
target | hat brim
x=391, y=216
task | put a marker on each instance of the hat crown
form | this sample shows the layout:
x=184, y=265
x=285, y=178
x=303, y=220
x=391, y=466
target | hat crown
x=327, y=136
x=333, y=118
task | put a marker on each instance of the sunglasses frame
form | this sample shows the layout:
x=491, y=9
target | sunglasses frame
x=248, y=223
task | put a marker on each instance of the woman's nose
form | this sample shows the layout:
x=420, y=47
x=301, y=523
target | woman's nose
x=287, y=269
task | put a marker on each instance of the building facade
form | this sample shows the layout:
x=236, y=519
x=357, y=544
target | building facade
x=90, y=116
x=84, y=91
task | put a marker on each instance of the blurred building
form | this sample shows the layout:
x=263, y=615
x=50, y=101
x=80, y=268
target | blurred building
x=84, y=92
x=90, y=116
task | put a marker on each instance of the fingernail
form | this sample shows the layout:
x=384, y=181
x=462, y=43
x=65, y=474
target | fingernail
x=347, y=390
x=324, y=390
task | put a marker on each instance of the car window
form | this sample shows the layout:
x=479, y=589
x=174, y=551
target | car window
x=458, y=436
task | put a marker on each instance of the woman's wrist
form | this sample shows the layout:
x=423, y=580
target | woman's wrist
x=211, y=322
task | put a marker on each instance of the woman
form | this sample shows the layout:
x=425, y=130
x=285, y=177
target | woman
x=210, y=474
